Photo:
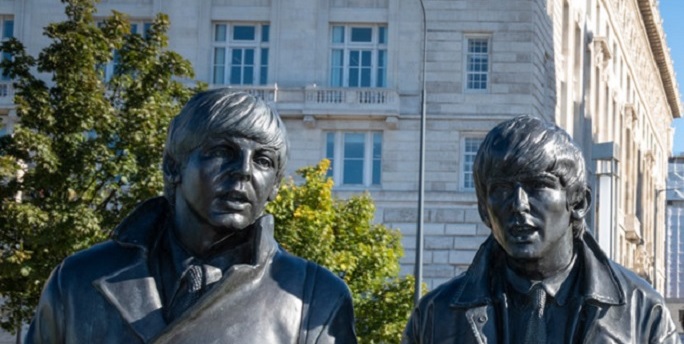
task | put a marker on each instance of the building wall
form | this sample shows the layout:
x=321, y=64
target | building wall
x=587, y=65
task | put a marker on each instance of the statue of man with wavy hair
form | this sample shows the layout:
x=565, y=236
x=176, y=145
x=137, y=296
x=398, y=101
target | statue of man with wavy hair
x=200, y=265
x=540, y=277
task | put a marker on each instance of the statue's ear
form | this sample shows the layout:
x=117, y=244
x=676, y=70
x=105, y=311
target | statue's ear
x=171, y=170
x=581, y=208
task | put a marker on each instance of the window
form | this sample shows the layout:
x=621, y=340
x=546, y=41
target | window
x=240, y=54
x=7, y=32
x=359, y=56
x=356, y=157
x=470, y=147
x=138, y=27
x=477, y=64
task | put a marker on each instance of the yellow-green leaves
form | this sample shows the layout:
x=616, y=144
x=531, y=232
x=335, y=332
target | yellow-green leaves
x=340, y=235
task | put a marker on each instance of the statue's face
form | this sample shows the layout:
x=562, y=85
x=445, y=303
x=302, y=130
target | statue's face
x=228, y=181
x=529, y=215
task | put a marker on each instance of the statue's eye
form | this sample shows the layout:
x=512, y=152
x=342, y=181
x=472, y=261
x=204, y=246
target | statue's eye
x=264, y=161
x=221, y=152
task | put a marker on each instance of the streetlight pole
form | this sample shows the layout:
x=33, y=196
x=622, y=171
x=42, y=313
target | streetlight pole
x=418, y=271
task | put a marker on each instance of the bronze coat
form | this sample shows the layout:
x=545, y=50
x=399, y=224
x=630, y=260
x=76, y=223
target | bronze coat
x=107, y=294
x=614, y=305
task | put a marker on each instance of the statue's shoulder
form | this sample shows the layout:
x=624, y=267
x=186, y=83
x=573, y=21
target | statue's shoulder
x=310, y=273
x=445, y=292
x=632, y=283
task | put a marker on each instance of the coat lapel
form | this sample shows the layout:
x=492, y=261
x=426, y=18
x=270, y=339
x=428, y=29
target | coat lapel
x=133, y=292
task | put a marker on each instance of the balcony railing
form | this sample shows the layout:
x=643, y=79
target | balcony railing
x=267, y=93
x=314, y=100
x=378, y=96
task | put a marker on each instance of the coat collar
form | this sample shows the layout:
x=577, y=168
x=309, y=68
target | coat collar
x=482, y=284
x=132, y=290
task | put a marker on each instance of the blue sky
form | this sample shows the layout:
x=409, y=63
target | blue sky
x=672, y=12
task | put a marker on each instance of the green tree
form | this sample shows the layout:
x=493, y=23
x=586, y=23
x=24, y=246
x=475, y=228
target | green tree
x=86, y=150
x=340, y=234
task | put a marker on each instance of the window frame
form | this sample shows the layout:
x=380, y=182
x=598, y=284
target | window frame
x=466, y=59
x=464, y=163
x=261, y=53
x=371, y=163
x=377, y=47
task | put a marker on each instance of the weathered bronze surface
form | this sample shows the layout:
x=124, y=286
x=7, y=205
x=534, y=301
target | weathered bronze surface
x=540, y=277
x=200, y=265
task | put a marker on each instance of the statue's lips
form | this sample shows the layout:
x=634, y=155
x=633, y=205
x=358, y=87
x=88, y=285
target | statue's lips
x=523, y=233
x=234, y=200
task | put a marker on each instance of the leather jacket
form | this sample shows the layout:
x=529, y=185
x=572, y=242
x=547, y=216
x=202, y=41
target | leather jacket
x=613, y=305
x=108, y=294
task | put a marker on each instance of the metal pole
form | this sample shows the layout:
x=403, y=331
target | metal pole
x=418, y=272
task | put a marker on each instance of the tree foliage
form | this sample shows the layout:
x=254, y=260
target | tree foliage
x=340, y=235
x=87, y=149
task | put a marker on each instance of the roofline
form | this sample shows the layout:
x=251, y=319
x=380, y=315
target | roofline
x=656, y=38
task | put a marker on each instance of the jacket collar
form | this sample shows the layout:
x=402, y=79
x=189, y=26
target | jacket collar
x=482, y=284
x=140, y=230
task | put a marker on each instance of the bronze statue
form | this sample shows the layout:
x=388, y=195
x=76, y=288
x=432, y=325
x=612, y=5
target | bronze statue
x=200, y=265
x=539, y=277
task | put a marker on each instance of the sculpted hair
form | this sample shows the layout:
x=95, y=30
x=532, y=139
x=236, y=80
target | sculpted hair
x=222, y=112
x=527, y=143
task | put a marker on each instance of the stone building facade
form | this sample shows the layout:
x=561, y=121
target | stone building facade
x=348, y=75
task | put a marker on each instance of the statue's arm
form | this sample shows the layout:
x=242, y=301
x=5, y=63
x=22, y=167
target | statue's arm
x=330, y=315
x=663, y=329
x=340, y=328
x=412, y=330
x=47, y=325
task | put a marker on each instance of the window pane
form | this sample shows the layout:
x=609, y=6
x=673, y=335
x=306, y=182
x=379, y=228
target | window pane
x=377, y=158
x=248, y=76
x=134, y=28
x=265, y=32
x=219, y=56
x=336, y=68
x=354, y=60
x=263, y=72
x=470, y=151
x=354, y=77
x=8, y=29
x=264, y=56
x=338, y=34
x=243, y=33
x=249, y=57
x=381, y=78
x=330, y=151
x=366, y=58
x=236, y=57
x=235, y=76
x=382, y=35
x=354, y=145
x=365, y=77
x=353, y=172
x=361, y=34
x=220, y=33
x=377, y=172
x=219, y=72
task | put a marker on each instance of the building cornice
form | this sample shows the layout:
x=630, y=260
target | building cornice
x=661, y=53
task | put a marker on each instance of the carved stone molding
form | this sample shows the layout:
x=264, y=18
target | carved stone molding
x=601, y=50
